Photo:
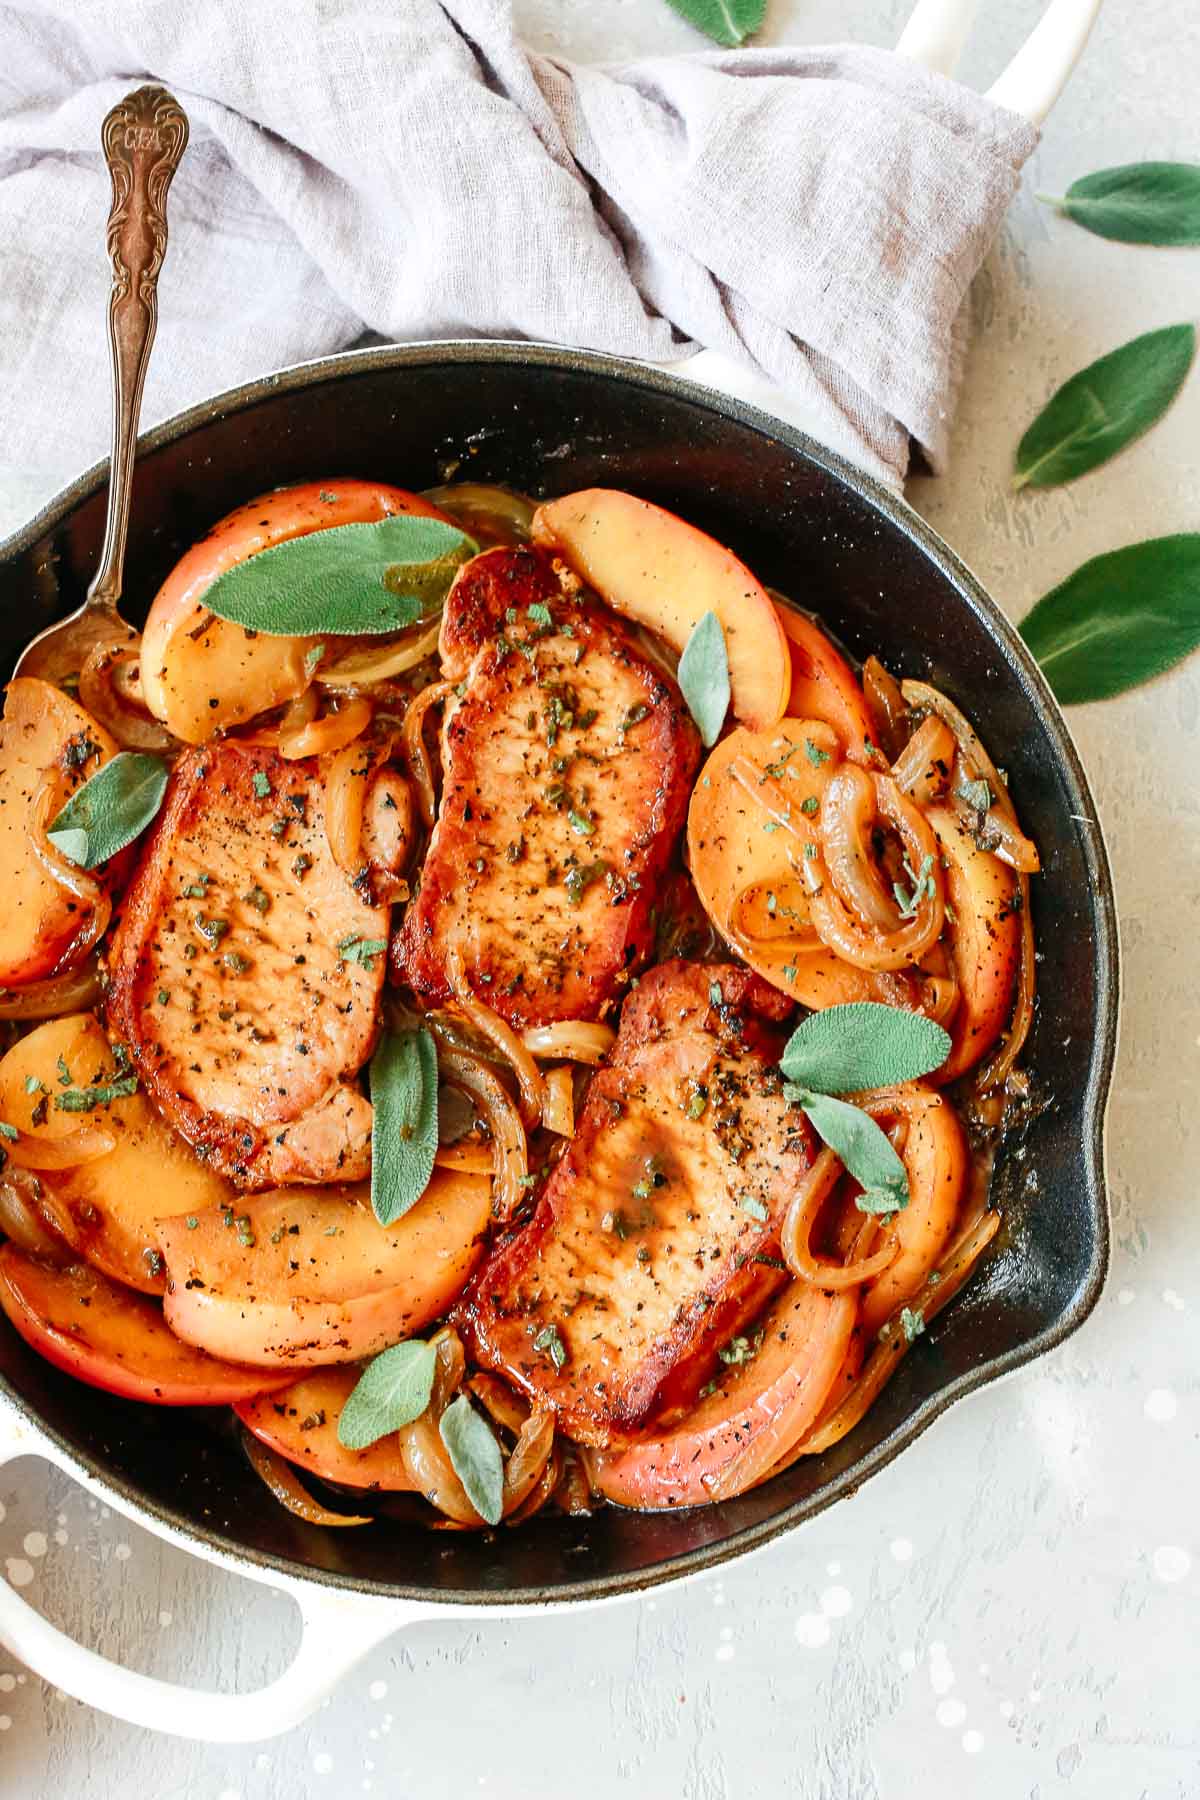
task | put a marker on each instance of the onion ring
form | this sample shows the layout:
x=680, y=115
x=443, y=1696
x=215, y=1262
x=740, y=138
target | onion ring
x=499, y=1033
x=80, y=883
x=412, y=736
x=885, y=706
x=871, y=947
x=510, y=1157
x=574, y=1040
x=362, y=668
x=795, y=1237
x=74, y=990
x=109, y=703
x=279, y=1477
x=922, y=768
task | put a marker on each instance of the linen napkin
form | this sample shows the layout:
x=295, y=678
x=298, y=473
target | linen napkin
x=410, y=169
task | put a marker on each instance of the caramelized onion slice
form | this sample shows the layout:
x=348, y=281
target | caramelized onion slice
x=501, y=1035
x=795, y=1238
x=93, y=897
x=510, y=1157
x=107, y=686
x=362, y=668
x=320, y=737
x=279, y=1477
x=872, y=946
x=937, y=1291
x=923, y=767
x=22, y=1221
x=574, y=1040
x=412, y=736
x=74, y=990
x=32, y=1151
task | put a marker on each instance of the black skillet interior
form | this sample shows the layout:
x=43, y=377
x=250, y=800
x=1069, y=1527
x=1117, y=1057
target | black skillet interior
x=549, y=421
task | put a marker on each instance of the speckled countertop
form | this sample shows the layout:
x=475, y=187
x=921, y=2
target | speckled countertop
x=1010, y=1610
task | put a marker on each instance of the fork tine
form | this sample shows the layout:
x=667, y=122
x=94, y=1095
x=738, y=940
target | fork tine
x=1039, y=71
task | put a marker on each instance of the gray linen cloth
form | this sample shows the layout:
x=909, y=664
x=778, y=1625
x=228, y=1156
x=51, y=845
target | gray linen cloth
x=407, y=168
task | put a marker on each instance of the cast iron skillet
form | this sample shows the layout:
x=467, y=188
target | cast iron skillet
x=547, y=421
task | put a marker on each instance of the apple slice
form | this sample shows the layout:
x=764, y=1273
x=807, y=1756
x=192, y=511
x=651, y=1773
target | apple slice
x=105, y=1208
x=985, y=940
x=301, y=1423
x=309, y=1276
x=756, y=1412
x=741, y=858
x=111, y=1338
x=653, y=567
x=824, y=685
x=200, y=674
x=43, y=733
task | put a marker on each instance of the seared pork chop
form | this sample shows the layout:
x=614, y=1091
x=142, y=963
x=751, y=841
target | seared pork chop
x=657, y=1236
x=247, y=970
x=568, y=760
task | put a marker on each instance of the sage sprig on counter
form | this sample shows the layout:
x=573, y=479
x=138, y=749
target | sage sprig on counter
x=359, y=580
x=850, y=1049
x=113, y=807
x=1105, y=407
x=728, y=22
x=404, y=1137
x=1137, y=203
x=1119, y=620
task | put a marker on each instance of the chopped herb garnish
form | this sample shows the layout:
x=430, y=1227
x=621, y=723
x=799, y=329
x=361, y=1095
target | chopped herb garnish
x=312, y=656
x=977, y=794
x=740, y=1349
x=715, y=996
x=302, y=865
x=64, y=1074
x=697, y=1101
x=236, y=963
x=539, y=612
x=162, y=996
x=924, y=888
x=361, y=950
x=211, y=930
x=262, y=784
x=637, y=712
x=749, y=1203
x=33, y=1085
x=548, y=1338
x=196, y=890
x=776, y=769
x=581, y=822
x=809, y=805
x=912, y=1323
x=9, y=1131
x=84, y=1100
x=258, y=898
x=789, y=971
x=581, y=877
x=815, y=754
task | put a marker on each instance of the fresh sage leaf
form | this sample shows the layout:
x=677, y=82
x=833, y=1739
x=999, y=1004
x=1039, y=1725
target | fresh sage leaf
x=475, y=1454
x=864, y=1149
x=348, y=581
x=845, y=1049
x=404, y=1137
x=1104, y=407
x=1138, y=203
x=1119, y=620
x=113, y=806
x=728, y=22
x=704, y=677
x=392, y=1391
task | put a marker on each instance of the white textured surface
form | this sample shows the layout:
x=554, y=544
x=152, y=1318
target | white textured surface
x=1010, y=1611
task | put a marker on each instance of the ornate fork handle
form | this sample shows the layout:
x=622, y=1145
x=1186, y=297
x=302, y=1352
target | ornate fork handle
x=144, y=137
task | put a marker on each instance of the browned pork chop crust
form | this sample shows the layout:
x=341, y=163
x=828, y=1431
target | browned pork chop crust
x=568, y=761
x=657, y=1236
x=243, y=980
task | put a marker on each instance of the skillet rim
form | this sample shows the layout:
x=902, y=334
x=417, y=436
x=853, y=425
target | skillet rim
x=213, y=1543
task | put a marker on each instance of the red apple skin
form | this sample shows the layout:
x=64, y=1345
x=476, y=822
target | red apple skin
x=115, y=1339
x=824, y=686
x=651, y=566
x=758, y=1411
x=985, y=941
x=186, y=665
x=301, y=1424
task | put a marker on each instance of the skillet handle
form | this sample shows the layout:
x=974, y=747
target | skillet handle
x=338, y=1630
